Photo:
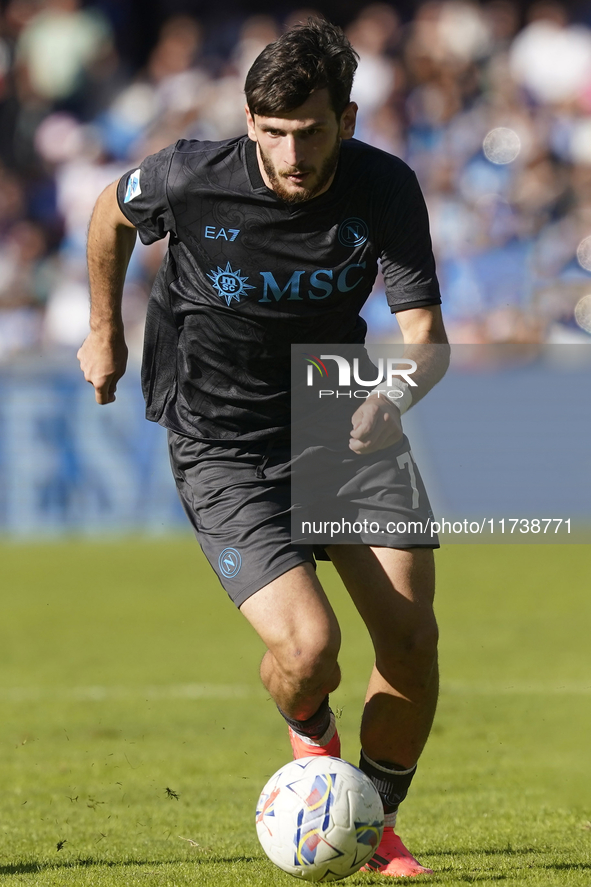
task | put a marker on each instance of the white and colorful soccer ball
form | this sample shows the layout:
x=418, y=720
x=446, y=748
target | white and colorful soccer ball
x=319, y=818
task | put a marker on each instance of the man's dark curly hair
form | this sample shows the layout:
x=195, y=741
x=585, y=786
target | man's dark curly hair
x=310, y=56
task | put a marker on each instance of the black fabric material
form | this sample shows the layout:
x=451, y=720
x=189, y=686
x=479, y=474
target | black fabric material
x=393, y=786
x=315, y=726
x=247, y=275
x=237, y=498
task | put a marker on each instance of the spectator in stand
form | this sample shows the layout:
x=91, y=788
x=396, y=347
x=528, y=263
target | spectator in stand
x=55, y=52
x=491, y=107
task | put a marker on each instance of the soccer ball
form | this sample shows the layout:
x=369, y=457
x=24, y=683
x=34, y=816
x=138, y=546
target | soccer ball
x=319, y=818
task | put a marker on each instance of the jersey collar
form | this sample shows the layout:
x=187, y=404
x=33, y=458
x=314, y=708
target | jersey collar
x=252, y=163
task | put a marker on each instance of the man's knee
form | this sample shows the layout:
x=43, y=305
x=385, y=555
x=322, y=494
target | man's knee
x=309, y=661
x=411, y=647
x=421, y=639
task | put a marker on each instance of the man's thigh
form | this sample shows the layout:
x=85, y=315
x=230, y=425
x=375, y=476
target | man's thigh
x=293, y=616
x=393, y=589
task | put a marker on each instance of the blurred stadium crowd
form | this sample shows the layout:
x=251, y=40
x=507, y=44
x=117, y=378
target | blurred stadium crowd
x=491, y=106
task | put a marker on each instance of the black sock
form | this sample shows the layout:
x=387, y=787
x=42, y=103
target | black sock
x=391, y=780
x=313, y=727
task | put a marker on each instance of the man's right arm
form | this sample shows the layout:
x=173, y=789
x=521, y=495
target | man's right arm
x=111, y=238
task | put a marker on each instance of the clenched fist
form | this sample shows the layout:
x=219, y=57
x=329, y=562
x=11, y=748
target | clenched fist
x=103, y=359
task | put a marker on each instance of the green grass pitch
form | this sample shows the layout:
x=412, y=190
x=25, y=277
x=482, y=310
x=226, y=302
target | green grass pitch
x=135, y=737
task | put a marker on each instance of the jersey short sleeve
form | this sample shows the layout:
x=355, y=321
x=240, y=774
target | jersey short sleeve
x=406, y=256
x=142, y=196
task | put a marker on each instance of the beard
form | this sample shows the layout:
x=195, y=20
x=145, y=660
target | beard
x=323, y=177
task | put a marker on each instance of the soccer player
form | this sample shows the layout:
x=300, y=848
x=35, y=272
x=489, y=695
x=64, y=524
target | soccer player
x=275, y=239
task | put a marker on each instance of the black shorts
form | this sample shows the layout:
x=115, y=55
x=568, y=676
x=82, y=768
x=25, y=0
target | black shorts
x=238, y=499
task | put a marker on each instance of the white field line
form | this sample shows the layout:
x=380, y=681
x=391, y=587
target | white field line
x=99, y=693
x=526, y=688
x=502, y=688
x=102, y=693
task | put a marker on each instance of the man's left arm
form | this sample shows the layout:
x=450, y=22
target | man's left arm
x=377, y=423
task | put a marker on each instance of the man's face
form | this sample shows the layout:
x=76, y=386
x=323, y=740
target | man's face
x=298, y=153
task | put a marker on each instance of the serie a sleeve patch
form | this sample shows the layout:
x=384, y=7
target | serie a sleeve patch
x=133, y=186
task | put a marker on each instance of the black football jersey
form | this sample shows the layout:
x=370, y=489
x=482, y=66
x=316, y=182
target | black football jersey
x=247, y=275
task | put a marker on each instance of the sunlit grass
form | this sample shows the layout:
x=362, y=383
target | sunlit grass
x=124, y=672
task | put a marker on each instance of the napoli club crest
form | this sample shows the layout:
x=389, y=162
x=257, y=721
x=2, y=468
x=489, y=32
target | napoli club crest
x=230, y=562
x=353, y=232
